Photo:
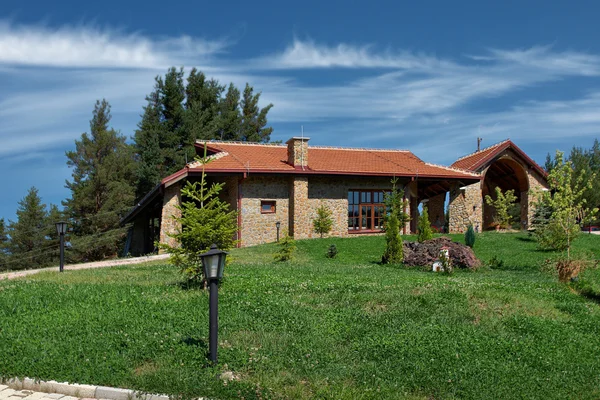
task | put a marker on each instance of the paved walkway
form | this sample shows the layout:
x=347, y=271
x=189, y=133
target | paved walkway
x=97, y=264
x=7, y=393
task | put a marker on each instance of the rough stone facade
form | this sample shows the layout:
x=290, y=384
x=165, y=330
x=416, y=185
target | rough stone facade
x=298, y=151
x=435, y=208
x=256, y=227
x=171, y=199
x=466, y=208
x=536, y=185
x=300, y=222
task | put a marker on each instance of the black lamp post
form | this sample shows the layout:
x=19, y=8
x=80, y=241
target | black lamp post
x=61, y=228
x=278, y=225
x=213, y=262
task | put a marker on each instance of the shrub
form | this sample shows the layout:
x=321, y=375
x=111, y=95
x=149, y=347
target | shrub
x=323, y=222
x=470, y=236
x=424, y=227
x=446, y=262
x=495, y=263
x=287, y=247
x=502, y=204
x=395, y=215
x=204, y=220
x=332, y=251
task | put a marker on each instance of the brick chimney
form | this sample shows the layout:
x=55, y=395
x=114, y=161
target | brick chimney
x=297, y=148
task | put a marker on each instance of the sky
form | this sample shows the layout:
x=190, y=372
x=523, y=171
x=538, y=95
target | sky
x=425, y=76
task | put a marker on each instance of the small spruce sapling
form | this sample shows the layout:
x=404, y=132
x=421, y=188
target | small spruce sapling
x=470, y=236
x=395, y=216
x=424, y=227
x=287, y=247
x=332, y=251
x=323, y=222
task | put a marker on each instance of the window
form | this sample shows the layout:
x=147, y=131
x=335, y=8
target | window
x=267, y=207
x=366, y=210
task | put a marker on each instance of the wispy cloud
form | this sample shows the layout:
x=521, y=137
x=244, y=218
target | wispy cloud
x=307, y=54
x=87, y=46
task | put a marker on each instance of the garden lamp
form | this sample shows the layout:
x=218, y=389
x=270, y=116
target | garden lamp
x=278, y=225
x=213, y=262
x=61, y=229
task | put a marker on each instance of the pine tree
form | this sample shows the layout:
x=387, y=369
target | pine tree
x=254, y=118
x=395, y=216
x=202, y=107
x=4, y=243
x=229, y=117
x=150, y=161
x=28, y=246
x=323, y=222
x=424, y=227
x=470, y=236
x=101, y=190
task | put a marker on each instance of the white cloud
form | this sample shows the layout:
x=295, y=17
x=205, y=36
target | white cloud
x=307, y=54
x=85, y=46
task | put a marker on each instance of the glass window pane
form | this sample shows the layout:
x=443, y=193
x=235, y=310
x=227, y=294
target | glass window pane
x=367, y=197
x=355, y=198
x=350, y=197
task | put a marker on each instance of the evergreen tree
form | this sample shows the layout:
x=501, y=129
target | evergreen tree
x=395, y=217
x=150, y=161
x=254, y=118
x=101, y=189
x=4, y=243
x=28, y=246
x=323, y=222
x=230, y=118
x=424, y=227
x=202, y=107
x=470, y=236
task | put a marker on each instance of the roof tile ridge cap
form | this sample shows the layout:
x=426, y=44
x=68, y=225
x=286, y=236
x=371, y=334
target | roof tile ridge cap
x=395, y=163
x=238, y=142
x=357, y=149
x=199, y=163
x=482, y=150
x=451, y=168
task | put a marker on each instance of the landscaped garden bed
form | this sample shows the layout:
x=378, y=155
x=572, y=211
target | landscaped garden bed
x=317, y=327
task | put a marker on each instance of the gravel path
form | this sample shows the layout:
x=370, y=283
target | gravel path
x=74, y=267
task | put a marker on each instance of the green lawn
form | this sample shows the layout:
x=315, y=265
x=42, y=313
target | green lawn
x=317, y=328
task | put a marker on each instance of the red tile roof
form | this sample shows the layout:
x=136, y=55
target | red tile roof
x=234, y=157
x=478, y=160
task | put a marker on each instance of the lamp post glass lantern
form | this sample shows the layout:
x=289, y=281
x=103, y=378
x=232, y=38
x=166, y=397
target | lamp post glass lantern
x=61, y=229
x=278, y=225
x=213, y=263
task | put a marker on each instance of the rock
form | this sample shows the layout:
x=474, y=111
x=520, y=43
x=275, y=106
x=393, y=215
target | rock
x=426, y=253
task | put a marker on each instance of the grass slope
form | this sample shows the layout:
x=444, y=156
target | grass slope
x=316, y=328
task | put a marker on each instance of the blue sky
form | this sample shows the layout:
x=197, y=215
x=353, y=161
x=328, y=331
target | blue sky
x=425, y=76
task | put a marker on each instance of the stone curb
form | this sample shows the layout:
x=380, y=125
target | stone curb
x=81, y=391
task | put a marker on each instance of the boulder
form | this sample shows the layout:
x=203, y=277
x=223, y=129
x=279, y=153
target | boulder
x=426, y=253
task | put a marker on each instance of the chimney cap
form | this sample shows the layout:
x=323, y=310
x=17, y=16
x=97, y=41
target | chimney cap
x=306, y=139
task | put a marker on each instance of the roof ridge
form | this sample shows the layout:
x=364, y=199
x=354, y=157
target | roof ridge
x=451, y=168
x=482, y=150
x=309, y=146
x=240, y=143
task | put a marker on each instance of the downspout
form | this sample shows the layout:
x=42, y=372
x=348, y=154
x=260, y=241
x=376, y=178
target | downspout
x=239, y=208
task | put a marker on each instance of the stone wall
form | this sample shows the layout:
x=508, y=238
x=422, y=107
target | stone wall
x=536, y=185
x=168, y=225
x=435, y=208
x=300, y=221
x=260, y=228
x=465, y=208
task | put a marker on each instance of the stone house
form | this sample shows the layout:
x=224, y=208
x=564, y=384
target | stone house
x=286, y=183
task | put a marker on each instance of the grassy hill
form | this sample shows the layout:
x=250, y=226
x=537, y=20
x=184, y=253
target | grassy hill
x=317, y=328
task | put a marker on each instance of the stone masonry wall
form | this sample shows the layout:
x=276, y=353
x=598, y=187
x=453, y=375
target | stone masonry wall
x=260, y=228
x=168, y=225
x=300, y=221
x=435, y=208
x=466, y=207
x=536, y=186
x=298, y=151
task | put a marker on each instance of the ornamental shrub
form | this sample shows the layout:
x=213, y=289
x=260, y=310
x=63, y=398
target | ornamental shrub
x=470, y=236
x=424, y=227
x=394, y=254
x=323, y=222
x=332, y=251
x=287, y=247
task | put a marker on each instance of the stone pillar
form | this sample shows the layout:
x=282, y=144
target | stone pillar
x=466, y=208
x=435, y=208
x=168, y=225
x=297, y=149
x=410, y=195
x=300, y=223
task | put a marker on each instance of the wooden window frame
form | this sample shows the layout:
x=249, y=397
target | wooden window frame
x=357, y=227
x=273, y=206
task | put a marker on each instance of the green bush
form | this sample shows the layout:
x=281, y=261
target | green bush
x=470, y=236
x=424, y=227
x=323, y=222
x=287, y=247
x=332, y=251
x=395, y=204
